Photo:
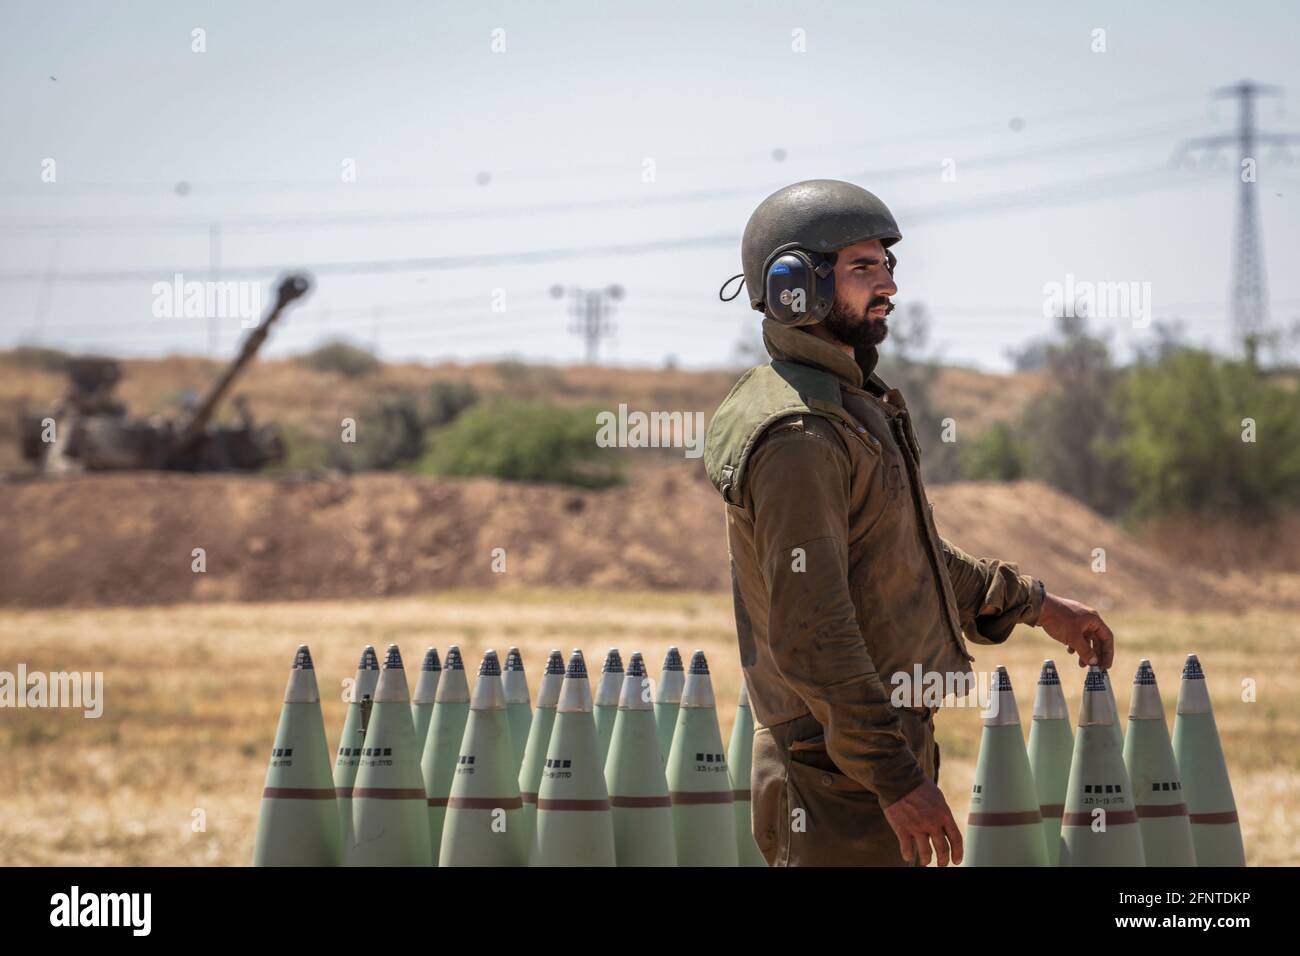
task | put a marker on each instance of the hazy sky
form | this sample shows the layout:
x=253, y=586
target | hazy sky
x=518, y=168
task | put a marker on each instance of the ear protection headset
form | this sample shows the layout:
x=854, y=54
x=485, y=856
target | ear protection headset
x=799, y=285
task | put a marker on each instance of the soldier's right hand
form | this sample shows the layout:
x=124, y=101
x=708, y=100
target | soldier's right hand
x=922, y=818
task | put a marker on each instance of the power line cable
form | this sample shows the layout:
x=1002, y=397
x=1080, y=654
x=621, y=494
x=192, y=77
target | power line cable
x=584, y=171
x=1044, y=196
x=316, y=221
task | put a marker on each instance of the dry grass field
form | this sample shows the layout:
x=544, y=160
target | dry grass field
x=192, y=695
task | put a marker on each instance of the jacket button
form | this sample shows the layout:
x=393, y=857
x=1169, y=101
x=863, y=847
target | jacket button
x=826, y=780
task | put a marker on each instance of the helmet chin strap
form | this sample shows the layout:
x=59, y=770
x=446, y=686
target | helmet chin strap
x=725, y=298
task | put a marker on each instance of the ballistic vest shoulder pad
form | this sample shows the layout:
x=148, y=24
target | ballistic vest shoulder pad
x=762, y=396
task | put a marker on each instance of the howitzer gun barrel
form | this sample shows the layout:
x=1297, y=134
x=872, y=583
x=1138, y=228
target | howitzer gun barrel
x=293, y=286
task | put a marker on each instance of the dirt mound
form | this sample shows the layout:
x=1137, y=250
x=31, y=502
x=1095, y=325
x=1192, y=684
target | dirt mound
x=129, y=539
x=1080, y=554
x=132, y=539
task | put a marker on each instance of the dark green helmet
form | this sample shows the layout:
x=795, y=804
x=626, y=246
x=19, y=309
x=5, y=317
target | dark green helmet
x=819, y=215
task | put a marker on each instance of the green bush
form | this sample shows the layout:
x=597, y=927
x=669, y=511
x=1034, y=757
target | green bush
x=997, y=455
x=341, y=357
x=304, y=451
x=523, y=441
x=390, y=433
x=1071, y=431
x=1183, y=439
x=447, y=400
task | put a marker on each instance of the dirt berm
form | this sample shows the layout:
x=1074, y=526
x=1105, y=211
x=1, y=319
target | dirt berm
x=133, y=539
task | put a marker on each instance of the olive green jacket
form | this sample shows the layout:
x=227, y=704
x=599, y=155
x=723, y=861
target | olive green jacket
x=840, y=579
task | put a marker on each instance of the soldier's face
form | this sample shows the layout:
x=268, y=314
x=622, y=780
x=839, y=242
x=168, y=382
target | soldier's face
x=863, y=286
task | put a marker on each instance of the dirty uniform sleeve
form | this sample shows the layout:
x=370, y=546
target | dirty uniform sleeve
x=992, y=596
x=798, y=487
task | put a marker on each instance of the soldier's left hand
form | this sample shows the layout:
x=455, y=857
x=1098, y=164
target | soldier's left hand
x=1080, y=628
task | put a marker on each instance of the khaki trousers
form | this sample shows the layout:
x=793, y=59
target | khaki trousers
x=805, y=812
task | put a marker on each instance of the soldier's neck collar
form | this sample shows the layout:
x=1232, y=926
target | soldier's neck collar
x=795, y=345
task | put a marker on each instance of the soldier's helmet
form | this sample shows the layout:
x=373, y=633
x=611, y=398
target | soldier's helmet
x=817, y=215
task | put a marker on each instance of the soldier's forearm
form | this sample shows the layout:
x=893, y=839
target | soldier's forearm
x=992, y=595
x=1021, y=603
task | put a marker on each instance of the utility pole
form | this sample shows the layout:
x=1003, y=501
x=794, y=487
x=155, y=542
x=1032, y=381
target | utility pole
x=591, y=310
x=1248, y=288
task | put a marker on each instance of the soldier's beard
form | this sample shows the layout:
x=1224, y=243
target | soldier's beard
x=860, y=330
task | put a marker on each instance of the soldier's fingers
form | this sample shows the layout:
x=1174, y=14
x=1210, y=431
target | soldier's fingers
x=940, y=847
x=905, y=847
x=953, y=833
x=1105, y=643
x=923, y=844
x=1089, y=645
x=1080, y=644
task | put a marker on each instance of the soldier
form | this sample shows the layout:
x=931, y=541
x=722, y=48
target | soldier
x=840, y=578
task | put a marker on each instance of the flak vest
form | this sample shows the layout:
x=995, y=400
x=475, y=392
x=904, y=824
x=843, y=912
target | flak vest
x=769, y=393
